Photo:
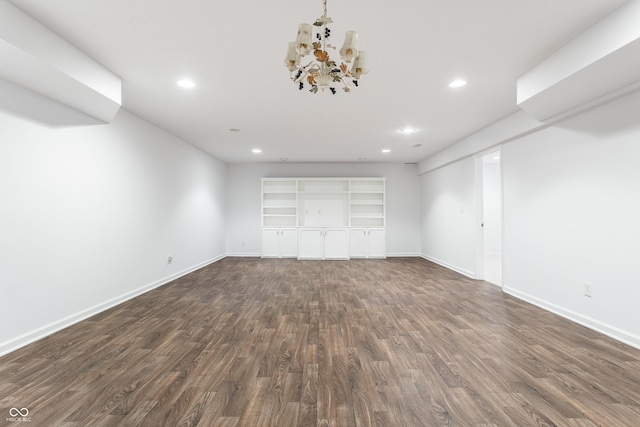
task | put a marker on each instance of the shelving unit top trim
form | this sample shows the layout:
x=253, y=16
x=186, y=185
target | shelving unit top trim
x=323, y=191
x=279, y=192
x=332, y=178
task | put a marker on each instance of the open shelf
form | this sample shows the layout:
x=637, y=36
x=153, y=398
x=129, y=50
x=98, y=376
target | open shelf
x=279, y=200
x=279, y=220
x=372, y=185
x=288, y=211
x=279, y=186
x=323, y=186
x=367, y=222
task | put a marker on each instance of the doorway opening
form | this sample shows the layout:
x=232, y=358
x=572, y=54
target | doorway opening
x=491, y=222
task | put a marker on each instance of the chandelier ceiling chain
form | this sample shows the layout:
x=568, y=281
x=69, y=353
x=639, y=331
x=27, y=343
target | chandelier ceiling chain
x=323, y=72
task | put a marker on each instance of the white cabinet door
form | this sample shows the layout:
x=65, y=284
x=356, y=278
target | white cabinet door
x=336, y=243
x=279, y=242
x=311, y=243
x=358, y=242
x=367, y=243
x=323, y=243
x=270, y=242
x=289, y=243
x=377, y=247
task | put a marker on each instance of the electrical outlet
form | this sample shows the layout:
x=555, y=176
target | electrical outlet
x=588, y=287
x=170, y=260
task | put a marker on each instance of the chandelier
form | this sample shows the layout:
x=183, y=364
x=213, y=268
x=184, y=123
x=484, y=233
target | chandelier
x=323, y=72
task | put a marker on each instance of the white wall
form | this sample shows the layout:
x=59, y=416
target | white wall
x=90, y=214
x=243, y=202
x=571, y=214
x=449, y=216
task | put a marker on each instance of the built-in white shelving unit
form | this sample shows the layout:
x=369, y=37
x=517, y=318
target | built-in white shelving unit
x=366, y=202
x=279, y=203
x=320, y=209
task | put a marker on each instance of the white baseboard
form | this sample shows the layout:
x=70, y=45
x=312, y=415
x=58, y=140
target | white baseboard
x=259, y=255
x=469, y=274
x=26, y=339
x=245, y=255
x=608, y=330
x=403, y=255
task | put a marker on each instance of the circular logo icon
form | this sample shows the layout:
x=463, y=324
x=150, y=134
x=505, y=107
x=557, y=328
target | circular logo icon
x=14, y=412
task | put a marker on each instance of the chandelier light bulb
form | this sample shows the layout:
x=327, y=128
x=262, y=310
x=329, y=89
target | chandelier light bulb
x=360, y=65
x=349, y=49
x=303, y=40
x=292, y=60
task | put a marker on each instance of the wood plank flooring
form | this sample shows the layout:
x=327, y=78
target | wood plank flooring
x=252, y=342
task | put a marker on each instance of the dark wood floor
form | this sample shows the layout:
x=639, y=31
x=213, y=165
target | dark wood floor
x=397, y=342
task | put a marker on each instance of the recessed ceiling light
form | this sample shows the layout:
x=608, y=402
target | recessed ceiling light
x=457, y=83
x=386, y=150
x=186, y=83
x=257, y=150
x=408, y=130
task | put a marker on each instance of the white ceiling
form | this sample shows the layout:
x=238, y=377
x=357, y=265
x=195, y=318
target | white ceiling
x=234, y=51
